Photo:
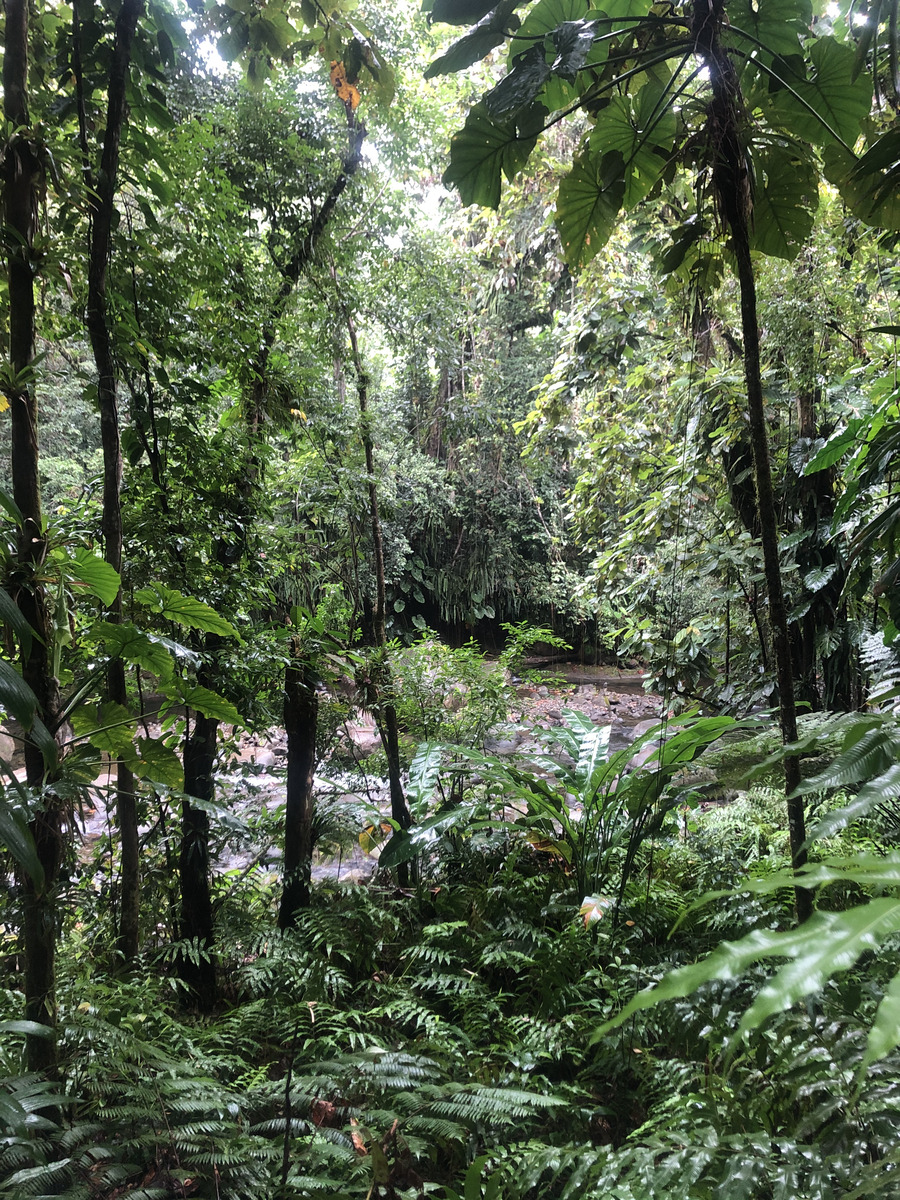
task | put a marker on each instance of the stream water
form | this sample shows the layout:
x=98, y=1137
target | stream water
x=250, y=786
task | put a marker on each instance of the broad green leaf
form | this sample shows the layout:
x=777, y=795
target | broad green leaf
x=542, y=19
x=836, y=447
x=824, y=945
x=777, y=24
x=31, y=1028
x=476, y=44
x=128, y=642
x=589, y=200
x=16, y=838
x=484, y=150
x=815, y=580
x=883, y=155
x=225, y=817
x=16, y=696
x=158, y=763
x=211, y=705
x=100, y=579
x=398, y=850
x=785, y=198
x=184, y=610
x=39, y=735
x=405, y=844
x=642, y=129
x=828, y=944
x=111, y=729
x=423, y=773
x=830, y=103
x=869, y=756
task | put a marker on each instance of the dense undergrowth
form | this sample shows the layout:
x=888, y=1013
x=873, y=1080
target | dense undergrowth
x=442, y=1041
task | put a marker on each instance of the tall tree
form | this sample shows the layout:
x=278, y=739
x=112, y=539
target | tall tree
x=103, y=189
x=23, y=172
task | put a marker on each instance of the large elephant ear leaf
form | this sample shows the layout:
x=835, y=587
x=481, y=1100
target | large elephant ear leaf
x=588, y=204
x=768, y=27
x=484, y=150
x=92, y=573
x=785, y=198
x=831, y=103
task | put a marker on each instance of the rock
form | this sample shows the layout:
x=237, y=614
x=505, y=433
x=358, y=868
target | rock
x=7, y=746
x=643, y=727
x=501, y=746
x=554, y=714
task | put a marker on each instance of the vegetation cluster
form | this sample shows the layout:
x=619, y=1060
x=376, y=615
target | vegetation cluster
x=352, y=354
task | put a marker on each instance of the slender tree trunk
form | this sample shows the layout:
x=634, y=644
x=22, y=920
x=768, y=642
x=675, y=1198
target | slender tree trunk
x=196, y=965
x=386, y=713
x=102, y=209
x=301, y=711
x=22, y=172
x=731, y=181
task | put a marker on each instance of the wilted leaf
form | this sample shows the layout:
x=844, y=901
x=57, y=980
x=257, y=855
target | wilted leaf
x=521, y=85
x=476, y=44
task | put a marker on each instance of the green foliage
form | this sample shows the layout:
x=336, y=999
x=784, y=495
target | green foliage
x=829, y=942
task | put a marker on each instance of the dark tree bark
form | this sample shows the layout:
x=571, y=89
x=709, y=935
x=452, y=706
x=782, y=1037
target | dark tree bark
x=301, y=713
x=731, y=181
x=22, y=173
x=196, y=965
x=98, y=323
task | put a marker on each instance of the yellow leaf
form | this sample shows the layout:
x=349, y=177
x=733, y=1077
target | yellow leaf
x=4, y=404
x=345, y=90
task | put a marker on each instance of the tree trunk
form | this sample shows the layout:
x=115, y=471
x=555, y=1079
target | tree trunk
x=22, y=173
x=196, y=964
x=382, y=683
x=731, y=181
x=301, y=711
x=102, y=208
